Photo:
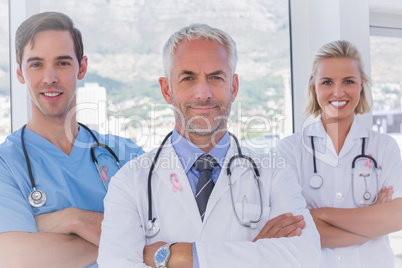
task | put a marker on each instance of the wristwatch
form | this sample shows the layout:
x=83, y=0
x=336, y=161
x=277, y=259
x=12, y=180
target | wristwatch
x=162, y=255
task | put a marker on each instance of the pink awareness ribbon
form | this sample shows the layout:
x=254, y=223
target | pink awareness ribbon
x=104, y=175
x=175, y=180
x=368, y=161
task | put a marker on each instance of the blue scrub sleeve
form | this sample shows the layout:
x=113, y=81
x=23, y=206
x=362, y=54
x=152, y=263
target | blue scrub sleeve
x=17, y=214
x=196, y=264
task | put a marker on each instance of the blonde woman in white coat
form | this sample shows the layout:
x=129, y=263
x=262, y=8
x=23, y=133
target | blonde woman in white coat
x=353, y=213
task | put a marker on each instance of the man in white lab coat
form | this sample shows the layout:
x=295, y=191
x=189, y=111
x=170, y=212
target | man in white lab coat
x=197, y=220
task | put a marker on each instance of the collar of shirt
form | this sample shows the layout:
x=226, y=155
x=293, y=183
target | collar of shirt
x=315, y=128
x=187, y=152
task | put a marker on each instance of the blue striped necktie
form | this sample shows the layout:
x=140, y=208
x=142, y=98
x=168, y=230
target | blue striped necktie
x=205, y=164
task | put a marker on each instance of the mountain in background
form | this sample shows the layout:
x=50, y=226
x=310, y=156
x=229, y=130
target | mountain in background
x=124, y=39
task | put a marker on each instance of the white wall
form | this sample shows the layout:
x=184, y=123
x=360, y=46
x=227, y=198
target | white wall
x=20, y=10
x=315, y=22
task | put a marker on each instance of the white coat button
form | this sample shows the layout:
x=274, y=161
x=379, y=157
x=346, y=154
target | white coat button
x=340, y=165
x=339, y=195
x=341, y=258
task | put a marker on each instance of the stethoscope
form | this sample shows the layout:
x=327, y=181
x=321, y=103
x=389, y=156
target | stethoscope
x=153, y=225
x=316, y=180
x=37, y=198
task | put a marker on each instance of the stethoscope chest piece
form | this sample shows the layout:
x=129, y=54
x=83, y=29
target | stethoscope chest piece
x=316, y=181
x=367, y=196
x=37, y=198
x=152, y=228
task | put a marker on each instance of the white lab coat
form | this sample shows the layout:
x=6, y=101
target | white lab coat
x=220, y=240
x=336, y=190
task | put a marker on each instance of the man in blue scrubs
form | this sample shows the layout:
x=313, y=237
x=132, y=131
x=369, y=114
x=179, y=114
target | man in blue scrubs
x=65, y=231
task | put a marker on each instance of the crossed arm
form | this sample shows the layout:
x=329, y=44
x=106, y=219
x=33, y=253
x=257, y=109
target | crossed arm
x=285, y=225
x=339, y=227
x=65, y=238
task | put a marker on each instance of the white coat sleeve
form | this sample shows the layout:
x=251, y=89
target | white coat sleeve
x=122, y=239
x=391, y=166
x=300, y=251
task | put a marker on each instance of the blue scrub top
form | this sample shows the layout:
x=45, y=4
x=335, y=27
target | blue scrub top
x=67, y=180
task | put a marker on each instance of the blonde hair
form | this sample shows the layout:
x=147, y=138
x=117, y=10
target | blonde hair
x=333, y=50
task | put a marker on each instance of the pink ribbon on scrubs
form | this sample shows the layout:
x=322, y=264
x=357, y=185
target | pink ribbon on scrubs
x=175, y=180
x=104, y=175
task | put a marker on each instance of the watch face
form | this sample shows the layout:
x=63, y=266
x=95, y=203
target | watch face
x=161, y=255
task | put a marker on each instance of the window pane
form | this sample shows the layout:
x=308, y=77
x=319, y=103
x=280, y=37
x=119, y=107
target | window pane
x=124, y=40
x=5, y=120
x=386, y=73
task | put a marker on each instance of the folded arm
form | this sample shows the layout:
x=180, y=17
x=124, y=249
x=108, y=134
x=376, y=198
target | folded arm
x=285, y=225
x=377, y=220
x=67, y=237
x=22, y=249
x=83, y=223
x=334, y=237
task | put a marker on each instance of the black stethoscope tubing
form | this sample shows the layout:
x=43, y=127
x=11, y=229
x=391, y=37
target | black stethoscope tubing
x=153, y=224
x=93, y=157
x=362, y=155
x=354, y=159
x=33, y=184
x=150, y=177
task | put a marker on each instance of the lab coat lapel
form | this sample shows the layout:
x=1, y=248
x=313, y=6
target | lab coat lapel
x=170, y=164
x=357, y=132
x=324, y=148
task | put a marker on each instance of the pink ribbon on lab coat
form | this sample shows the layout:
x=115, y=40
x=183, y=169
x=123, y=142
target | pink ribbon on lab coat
x=368, y=161
x=175, y=180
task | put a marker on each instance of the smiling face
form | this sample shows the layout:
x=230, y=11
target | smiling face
x=50, y=70
x=338, y=85
x=202, y=87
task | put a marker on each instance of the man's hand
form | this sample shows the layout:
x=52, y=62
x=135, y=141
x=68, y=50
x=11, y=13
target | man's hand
x=86, y=224
x=385, y=195
x=285, y=225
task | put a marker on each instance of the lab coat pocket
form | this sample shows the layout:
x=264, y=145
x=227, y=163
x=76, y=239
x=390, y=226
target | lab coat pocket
x=365, y=184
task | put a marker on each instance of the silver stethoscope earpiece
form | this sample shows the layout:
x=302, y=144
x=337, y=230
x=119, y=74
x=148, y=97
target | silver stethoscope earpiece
x=152, y=226
x=37, y=198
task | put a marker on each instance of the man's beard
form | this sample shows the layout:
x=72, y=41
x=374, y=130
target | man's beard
x=199, y=124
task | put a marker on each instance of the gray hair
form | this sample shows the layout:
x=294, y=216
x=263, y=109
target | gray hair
x=194, y=32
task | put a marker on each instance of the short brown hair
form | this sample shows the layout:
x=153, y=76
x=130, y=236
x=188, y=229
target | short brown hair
x=44, y=22
x=333, y=50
